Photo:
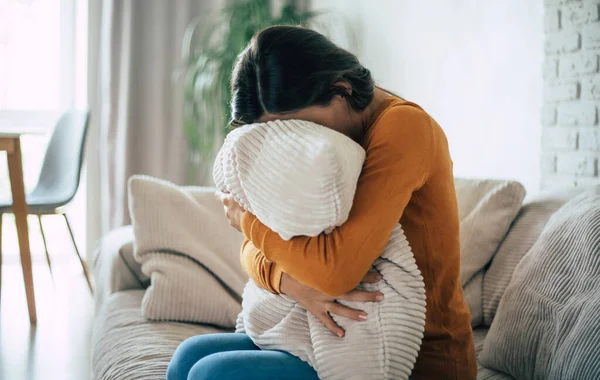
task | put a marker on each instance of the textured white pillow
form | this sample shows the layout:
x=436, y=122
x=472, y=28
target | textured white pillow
x=272, y=183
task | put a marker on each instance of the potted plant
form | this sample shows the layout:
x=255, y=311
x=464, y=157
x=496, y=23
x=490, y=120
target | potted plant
x=210, y=51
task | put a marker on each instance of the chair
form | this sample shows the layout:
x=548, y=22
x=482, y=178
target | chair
x=59, y=177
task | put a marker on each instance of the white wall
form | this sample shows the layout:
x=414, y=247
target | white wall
x=474, y=65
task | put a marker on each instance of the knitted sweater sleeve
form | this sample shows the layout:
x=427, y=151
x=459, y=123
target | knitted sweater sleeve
x=400, y=151
x=266, y=273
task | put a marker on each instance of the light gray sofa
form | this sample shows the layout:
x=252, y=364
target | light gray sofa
x=127, y=346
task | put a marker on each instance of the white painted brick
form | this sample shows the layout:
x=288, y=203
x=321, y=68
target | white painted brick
x=561, y=91
x=556, y=2
x=548, y=115
x=577, y=113
x=558, y=181
x=573, y=15
x=562, y=42
x=560, y=138
x=590, y=88
x=575, y=164
x=572, y=65
x=591, y=36
x=548, y=163
x=551, y=19
x=589, y=139
x=587, y=181
x=550, y=68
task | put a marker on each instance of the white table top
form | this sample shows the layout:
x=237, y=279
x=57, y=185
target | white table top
x=12, y=132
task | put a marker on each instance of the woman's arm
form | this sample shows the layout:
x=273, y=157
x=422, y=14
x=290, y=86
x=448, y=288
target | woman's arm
x=265, y=273
x=268, y=276
x=399, y=155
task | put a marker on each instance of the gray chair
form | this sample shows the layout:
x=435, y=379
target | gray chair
x=59, y=177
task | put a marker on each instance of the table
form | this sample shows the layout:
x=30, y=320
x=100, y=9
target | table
x=10, y=142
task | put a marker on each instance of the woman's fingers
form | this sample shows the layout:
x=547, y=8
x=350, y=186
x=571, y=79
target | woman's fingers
x=226, y=199
x=326, y=319
x=372, y=277
x=345, y=311
x=362, y=296
x=222, y=197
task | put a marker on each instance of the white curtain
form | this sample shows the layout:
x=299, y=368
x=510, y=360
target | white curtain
x=136, y=100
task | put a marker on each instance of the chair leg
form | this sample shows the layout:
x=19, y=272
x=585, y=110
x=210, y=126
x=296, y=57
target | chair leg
x=85, y=271
x=45, y=246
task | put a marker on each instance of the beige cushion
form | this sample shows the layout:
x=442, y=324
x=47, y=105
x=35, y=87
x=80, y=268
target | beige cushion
x=190, y=252
x=547, y=325
x=524, y=232
x=486, y=210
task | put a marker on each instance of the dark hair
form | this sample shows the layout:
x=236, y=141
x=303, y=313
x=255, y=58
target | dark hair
x=286, y=68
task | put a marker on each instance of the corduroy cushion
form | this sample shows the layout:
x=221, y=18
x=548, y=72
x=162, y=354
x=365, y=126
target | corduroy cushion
x=547, y=325
x=186, y=246
x=523, y=234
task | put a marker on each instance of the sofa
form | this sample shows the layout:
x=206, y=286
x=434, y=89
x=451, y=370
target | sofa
x=128, y=346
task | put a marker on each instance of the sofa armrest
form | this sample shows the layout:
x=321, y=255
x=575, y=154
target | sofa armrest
x=115, y=268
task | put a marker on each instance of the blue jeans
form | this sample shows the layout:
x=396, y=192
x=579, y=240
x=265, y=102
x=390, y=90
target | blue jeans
x=233, y=357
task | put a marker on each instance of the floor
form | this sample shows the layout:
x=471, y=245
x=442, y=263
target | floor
x=59, y=346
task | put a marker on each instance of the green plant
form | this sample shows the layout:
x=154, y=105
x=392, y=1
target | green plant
x=209, y=63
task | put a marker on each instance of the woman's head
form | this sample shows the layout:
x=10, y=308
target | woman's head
x=291, y=72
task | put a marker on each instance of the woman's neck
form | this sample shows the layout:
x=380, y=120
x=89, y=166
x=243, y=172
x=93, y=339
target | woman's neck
x=365, y=118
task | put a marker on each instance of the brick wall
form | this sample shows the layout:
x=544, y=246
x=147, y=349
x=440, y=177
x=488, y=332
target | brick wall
x=570, y=130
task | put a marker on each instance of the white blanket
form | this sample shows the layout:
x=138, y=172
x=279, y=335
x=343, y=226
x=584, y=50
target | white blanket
x=299, y=178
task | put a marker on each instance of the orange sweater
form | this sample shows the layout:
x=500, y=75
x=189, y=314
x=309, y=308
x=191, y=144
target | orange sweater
x=407, y=177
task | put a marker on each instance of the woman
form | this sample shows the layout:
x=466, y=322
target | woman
x=296, y=73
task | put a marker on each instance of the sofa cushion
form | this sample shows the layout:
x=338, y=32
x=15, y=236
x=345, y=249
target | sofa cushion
x=126, y=346
x=547, y=325
x=186, y=246
x=484, y=373
x=523, y=233
x=486, y=210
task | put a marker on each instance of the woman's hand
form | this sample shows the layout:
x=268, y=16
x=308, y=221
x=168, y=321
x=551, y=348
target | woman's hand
x=233, y=210
x=322, y=306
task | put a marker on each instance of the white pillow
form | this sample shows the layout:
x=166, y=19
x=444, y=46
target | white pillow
x=290, y=204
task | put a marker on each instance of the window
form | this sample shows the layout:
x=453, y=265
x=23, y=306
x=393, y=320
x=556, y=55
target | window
x=43, y=59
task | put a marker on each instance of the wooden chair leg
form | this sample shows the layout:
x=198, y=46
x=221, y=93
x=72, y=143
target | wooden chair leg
x=83, y=265
x=19, y=208
x=45, y=246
